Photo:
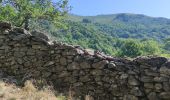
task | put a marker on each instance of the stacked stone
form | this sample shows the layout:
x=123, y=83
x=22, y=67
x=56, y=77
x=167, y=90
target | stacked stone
x=155, y=77
x=86, y=72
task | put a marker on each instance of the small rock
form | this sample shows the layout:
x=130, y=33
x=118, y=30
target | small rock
x=149, y=85
x=73, y=66
x=165, y=95
x=100, y=65
x=77, y=84
x=63, y=61
x=79, y=51
x=137, y=92
x=46, y=74
x=64, y=74
x=85, y=65
x=40, y=35
x=161, y=79
x=96, y=72
x=89, y=51
x=124, y=76
x=49, y=63
x=85, y=78
x=166, y=86
x=130, y=97
x=5, y=25
x=153, y=96
x=151, y=73
x=158, y=86
x=111, y=65
x=165, y=70
x=147, y=79
x=133, y=81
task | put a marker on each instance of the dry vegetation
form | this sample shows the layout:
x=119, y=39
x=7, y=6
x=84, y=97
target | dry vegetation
x=12, y=89
x=9, y=91
x=28, y=92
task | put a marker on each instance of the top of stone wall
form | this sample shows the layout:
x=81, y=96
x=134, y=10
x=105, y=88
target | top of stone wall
x=18, y=34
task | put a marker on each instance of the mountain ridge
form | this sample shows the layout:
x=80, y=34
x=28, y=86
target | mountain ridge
x=128, y=23
x=117, y=14
x=105, y=15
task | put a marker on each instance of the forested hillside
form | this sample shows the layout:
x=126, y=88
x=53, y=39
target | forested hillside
x=119, y=35
x=129, y=25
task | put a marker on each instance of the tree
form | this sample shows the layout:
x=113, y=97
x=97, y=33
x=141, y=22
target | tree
x=22, y=11
x=130, y=48
x=167, y=44
x=151, y=47
x=85, y=20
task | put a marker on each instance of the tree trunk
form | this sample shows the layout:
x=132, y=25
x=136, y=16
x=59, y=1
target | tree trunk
x=26, y=23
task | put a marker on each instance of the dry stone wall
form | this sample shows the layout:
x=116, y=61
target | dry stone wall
x=85, y=72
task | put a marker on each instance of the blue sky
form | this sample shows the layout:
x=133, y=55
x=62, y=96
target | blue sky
x=155, y=8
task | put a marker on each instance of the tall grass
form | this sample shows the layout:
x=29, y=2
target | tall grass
x=28, y=92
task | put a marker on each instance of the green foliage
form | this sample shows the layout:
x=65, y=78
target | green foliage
x=165, y=55
x=84, y=35
x=85, y=20
x=151, y=47
x=167, y=44
x=7, y=13
x=19, y=12
x=129, y=25
x=130, y=48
